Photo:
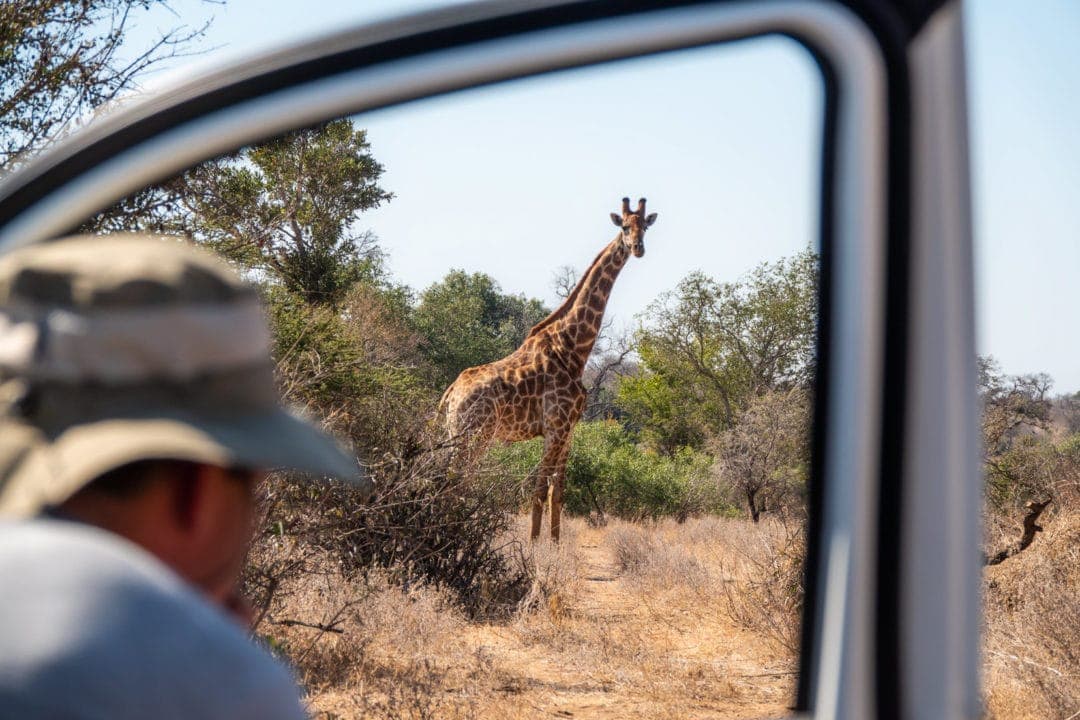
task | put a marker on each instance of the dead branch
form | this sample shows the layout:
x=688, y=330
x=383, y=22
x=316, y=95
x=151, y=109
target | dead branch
x=332, y=627
x=1035, y=509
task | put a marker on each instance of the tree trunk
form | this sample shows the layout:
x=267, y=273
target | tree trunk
x=755, y=513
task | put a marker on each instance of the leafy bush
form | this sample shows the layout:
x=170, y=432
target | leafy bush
x=1033, y=468
x=356, y=367
x=609, y=472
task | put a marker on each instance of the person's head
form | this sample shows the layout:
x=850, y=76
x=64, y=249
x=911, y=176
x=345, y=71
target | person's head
x=137, y=394
x=197, y=518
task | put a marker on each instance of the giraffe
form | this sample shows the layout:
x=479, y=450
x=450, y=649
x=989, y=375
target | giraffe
x=537, y=390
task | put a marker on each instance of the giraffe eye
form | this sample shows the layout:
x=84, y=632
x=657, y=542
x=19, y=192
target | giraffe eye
x=626, y=228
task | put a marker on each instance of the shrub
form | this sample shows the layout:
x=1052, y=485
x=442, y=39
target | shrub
x=356, y=366
x=608, y=472
x=1032, y=641
x=425, y=524
x=769, y=566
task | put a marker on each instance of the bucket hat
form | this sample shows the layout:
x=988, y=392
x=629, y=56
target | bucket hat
x=124, y=348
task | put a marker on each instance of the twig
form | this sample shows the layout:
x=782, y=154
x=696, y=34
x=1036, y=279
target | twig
x=779, y=673
x=332, y=627
x=1026, y=661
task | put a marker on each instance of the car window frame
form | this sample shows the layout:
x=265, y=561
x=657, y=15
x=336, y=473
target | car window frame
x=851, y=658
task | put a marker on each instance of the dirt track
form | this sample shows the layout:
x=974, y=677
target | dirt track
x=598, y=644
x=615, y=652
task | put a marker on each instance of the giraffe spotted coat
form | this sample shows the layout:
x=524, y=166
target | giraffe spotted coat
x=536, y=390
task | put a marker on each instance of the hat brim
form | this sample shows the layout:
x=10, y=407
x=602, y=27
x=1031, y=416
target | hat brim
x=57, y=469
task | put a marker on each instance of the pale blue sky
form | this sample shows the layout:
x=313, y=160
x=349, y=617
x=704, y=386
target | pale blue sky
x=518, y=180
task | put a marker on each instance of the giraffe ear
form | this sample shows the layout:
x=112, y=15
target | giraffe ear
x=617, y=219
x=650, y=219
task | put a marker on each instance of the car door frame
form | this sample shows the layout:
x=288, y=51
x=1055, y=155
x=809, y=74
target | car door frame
x=893, y=532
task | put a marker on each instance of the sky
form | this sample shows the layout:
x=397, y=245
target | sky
x=518, y=180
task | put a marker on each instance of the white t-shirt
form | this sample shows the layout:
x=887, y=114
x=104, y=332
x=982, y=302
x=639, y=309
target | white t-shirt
x=93, y=627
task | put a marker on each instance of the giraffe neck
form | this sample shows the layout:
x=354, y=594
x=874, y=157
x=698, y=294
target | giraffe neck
x=580, y=324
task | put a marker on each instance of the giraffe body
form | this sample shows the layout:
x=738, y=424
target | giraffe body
x=536, y=390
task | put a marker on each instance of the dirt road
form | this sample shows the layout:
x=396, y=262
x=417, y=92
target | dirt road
x=618, y=648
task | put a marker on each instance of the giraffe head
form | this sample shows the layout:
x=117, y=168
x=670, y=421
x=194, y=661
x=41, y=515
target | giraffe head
x=633, y=226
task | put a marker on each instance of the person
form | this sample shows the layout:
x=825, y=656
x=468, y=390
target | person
x=138, y=413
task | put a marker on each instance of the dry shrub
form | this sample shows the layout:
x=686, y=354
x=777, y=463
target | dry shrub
x=647, y=555
x=751, y=571
x=366, y=646
x=652, y=628
x=1032, y=632
x=767, y=569
x=553, y=569
x=329, y=624
x=425, y=524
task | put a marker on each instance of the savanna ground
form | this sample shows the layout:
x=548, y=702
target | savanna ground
x=648, y=620
x=654, y=619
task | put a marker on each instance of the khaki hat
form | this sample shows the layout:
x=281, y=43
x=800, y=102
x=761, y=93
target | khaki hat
x=124, y=348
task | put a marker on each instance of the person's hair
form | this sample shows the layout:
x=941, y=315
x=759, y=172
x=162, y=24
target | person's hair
x=131, y=479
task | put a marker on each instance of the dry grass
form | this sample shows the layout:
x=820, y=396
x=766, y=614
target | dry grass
x=751, y=572
x=655, y=620
x=1032, y=632
x=622, y=621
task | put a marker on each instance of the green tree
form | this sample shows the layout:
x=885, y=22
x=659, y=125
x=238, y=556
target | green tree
x=357, y=366
x=60, y=59
x=467, y=320
x=289, y=208
x=708, y=348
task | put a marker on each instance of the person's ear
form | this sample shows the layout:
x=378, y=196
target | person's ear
x=190, y=491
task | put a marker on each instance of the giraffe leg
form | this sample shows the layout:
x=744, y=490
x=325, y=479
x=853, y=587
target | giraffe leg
x=539, y=498
x=553, y=447
x=557, y=484
x=556, y=510
x=558, y=471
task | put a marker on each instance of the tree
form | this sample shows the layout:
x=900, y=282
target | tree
x=289, y=208
x=356, y=367
x=1069, y=408
x=1010, y=404
x=60, y=59
x=764, y=456
x=709, y=348
x=611, y=360
x=466, y=320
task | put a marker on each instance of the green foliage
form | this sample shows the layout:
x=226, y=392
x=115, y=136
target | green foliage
x=288, y=208
x=707, y=348
x=655, y=404
x=466, y=320
x=1033, y=468
x=607, y=469
x=356, y=366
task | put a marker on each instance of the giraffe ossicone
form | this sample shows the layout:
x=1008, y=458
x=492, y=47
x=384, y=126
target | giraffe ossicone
x=536, y=390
